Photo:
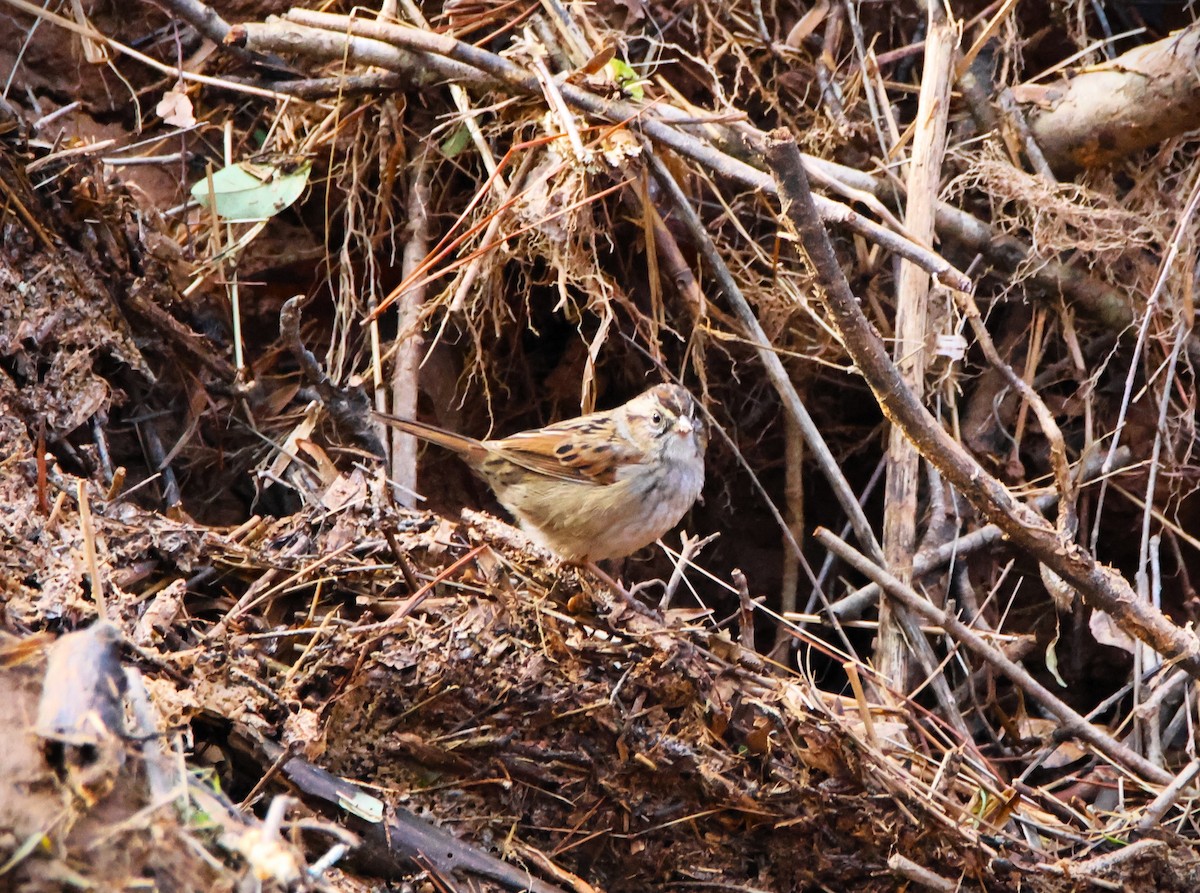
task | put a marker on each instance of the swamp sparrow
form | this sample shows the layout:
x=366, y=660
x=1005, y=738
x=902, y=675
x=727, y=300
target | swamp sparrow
x=599, y=486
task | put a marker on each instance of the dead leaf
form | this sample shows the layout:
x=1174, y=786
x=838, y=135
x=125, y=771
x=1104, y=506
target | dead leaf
x=1106, y=632
x=175, y=108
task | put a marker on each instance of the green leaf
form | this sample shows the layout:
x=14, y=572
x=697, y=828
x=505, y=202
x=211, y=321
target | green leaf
x=626, y=78
x=457, y=141
x=362, y=805
x=250, y=192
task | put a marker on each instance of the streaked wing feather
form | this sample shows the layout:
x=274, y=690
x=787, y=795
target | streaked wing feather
x=570, y=451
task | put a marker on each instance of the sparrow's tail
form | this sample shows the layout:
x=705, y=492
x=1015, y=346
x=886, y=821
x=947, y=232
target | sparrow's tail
x=468, y=447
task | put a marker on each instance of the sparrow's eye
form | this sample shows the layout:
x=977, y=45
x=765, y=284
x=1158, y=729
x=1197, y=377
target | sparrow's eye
x=656, y=419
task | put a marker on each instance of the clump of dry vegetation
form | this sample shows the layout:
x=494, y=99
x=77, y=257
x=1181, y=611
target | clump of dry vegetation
x=931, y=626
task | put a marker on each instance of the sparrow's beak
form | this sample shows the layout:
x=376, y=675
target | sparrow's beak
x=684, y=425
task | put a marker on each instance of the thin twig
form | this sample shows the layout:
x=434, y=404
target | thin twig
x=1101, y=586
x=919, y=874
x=1070, y=721
x=776, y=372
x=88, y=531
x=1096, y=298
x=690, y=548
x=438, y=49
x=161, y=462
x=852, y=606
x=1059, y=463
x=406, y=364
x=911, y=333
x=174, y=71
x=1159, y=806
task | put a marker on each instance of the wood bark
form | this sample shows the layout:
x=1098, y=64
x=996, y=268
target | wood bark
x=912, y=336
x=1139, y=99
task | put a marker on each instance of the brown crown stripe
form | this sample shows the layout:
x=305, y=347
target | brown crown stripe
x=673, y=400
